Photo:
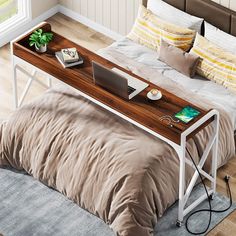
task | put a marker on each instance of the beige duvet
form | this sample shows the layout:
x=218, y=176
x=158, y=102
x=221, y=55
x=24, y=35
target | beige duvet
x=106, y=165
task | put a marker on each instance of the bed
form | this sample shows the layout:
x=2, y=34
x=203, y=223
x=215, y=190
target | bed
x=104, y=164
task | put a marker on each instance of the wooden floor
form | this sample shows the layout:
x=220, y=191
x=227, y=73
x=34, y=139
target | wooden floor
x=94, y=41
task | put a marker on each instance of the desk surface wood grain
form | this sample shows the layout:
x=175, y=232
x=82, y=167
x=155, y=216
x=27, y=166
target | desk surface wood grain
x=139, y=109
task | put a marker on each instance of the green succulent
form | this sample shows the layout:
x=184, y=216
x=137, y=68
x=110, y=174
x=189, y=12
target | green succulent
x=39, y=38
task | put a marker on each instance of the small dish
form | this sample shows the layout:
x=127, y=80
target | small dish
x=154, y=94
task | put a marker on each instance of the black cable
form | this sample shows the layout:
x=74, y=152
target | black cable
x=226, y=179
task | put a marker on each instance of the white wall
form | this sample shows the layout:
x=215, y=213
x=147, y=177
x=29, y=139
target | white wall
x=39, y=7
x=116, y=15
x=227, y=3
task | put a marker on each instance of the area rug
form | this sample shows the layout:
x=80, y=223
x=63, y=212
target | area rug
x=29, y=208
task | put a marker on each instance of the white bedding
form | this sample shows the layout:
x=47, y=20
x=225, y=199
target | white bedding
x=208, y=89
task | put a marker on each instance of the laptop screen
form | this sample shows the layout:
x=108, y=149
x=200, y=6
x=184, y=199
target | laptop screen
x=110, y=80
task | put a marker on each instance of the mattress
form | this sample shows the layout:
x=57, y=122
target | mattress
x=207, y=89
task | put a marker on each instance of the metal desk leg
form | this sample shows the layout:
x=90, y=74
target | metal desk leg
x=215, y=152
x=17, y=66
x=31, y=77
x=14, y=77
x=181, y=154
x=212, y=145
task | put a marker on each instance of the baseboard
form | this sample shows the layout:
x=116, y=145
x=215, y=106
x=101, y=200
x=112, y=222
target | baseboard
x=91, y=24
x=59, y=8
x=12, y=35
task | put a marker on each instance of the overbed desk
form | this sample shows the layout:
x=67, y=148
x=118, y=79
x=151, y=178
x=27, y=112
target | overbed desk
x=139, y=111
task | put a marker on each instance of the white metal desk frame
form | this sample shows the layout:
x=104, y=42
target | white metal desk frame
x=184, y=191
x=16, y=64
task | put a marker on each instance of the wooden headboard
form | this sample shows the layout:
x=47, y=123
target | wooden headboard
x=217, y=15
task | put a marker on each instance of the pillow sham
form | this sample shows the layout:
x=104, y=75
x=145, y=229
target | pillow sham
x=215, y=63
x=148, y=30
x=171, y=14
x=178, y=59
x=219, y=37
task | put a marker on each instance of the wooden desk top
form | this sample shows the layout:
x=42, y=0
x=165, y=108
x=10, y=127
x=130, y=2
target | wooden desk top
x=139, y=109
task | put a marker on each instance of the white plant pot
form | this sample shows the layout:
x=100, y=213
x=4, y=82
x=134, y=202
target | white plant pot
x=42, y=48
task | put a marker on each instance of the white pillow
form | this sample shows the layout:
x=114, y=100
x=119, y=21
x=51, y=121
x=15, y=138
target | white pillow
x=174, y=15
x=220, y=38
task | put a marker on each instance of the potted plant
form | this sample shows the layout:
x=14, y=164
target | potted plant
x=40, y=40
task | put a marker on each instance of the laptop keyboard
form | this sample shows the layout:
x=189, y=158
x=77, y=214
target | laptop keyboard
x=130, y=90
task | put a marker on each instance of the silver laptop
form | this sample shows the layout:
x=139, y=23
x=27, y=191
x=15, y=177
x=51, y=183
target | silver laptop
x=117, y=81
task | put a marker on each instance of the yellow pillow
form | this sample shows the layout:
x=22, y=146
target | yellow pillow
x=149, y=29
x=215, y=63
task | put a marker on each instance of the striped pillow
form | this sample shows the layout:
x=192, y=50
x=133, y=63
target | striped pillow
x=215, y=64
x=173, y=15
x=149, y=29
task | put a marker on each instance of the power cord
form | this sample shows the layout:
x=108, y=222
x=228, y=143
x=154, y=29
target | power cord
x=226, y=179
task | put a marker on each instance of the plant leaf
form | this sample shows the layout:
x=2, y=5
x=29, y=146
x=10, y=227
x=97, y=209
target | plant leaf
x=38, y=44
x=38, y=38
x=44, y=37
x=33, y=37
x=40, y=31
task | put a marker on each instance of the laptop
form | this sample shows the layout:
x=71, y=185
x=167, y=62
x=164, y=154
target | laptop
x=117, y=81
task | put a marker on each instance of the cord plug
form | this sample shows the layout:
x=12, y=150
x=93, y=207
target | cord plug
x=226, y=178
